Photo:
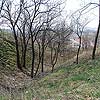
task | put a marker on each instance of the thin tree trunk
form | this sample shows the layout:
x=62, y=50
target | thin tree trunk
x=77, y=58
x=96, y=38
x=42, y=59
x=24, y=50
x=24, y=56
x=54, y=57
x=95, y=43
x=39, y=58
x=43, y=49
x=33, y=58
x=17, y=52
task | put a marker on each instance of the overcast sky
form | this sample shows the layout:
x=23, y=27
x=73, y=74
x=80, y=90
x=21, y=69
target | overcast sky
x=73, y=5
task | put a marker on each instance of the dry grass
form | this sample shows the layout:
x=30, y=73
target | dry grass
x=68, y=82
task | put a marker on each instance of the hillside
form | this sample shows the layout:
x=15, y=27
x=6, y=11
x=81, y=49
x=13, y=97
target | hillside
x=68, y=82
x=49, y=51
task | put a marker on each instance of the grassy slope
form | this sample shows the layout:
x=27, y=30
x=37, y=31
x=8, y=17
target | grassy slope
x=73, y=82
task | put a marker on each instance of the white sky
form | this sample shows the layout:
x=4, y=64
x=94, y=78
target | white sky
x=73, y=5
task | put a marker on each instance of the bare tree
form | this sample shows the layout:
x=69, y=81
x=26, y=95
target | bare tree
x=1, y=5
x=96, y=38
x=23, y=30
x=13, y=22
x=54, y=53
x=86, y=11
x=79, y=29
x=38, y=22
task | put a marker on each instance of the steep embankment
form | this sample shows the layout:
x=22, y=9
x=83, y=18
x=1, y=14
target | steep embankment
x=73, y=82
x=68, y=82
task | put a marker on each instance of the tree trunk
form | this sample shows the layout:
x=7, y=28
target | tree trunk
x=24, y=56
x=24, y=51
x=77, y=58
x=42, y=59
x=54, y=56
x=96, y=38
x=43, y=49
x=39, y=52
x=17, y=52
x=95, y=43
x=33, y=57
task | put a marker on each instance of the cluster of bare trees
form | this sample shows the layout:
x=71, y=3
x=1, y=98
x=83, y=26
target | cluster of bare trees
x=32, y=24
x=36, y=28
x=80, y=24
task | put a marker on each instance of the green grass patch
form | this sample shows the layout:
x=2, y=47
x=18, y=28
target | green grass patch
x=73, y=82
